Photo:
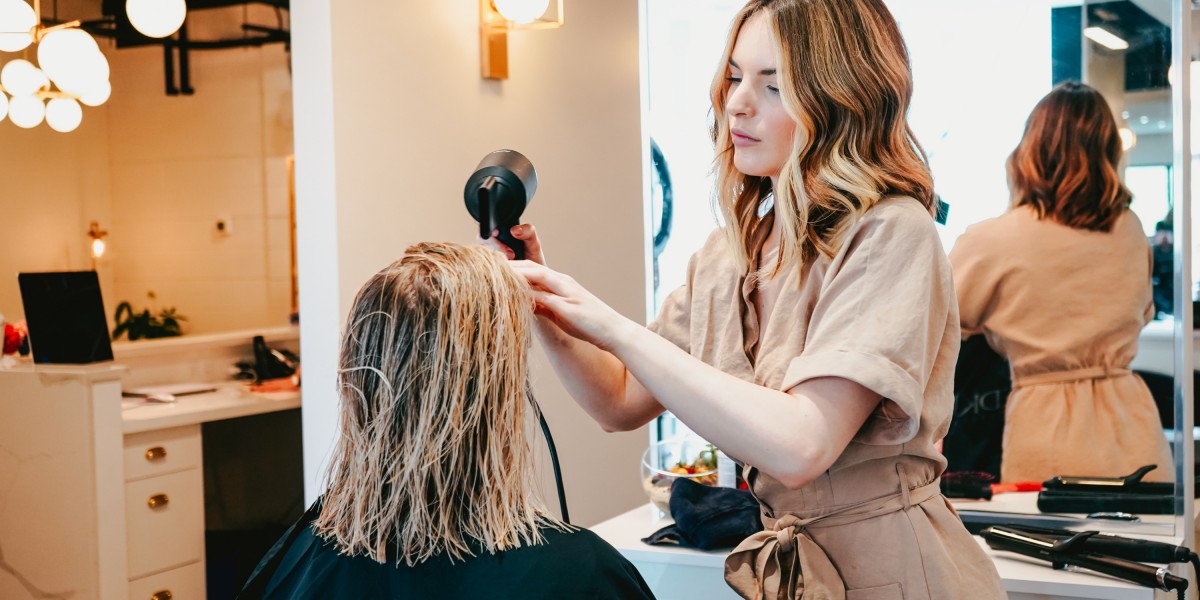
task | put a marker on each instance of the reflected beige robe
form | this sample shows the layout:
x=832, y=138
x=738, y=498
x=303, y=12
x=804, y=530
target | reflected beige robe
x=1065, y=307
x=880, y=313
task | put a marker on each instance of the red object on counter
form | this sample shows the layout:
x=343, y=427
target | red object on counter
x=1019, y=486
x=13, y=337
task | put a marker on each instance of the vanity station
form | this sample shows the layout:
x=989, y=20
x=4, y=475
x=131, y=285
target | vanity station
x=675, y=573
x=110, y=498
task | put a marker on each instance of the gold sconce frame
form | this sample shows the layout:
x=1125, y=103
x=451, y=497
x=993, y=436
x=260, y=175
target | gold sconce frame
x=493, y=35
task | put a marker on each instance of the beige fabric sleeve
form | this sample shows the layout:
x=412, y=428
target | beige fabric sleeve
x=881, y=319
x=674, y=320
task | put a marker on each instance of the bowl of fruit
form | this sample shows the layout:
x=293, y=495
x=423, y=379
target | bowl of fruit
x=682, y=458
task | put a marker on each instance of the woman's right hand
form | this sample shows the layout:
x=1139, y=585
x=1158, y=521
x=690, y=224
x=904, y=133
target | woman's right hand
x=525, y=233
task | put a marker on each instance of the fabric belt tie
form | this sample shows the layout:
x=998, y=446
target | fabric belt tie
x=783, y=562
x=1071, y=375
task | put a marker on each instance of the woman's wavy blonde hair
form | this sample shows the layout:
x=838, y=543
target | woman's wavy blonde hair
x=845, y=79
x=1065, y=167
x=434, y=455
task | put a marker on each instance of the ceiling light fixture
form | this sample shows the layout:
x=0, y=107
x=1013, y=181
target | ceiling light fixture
x=72, y=69
x=1105, y=38
x=156, y=18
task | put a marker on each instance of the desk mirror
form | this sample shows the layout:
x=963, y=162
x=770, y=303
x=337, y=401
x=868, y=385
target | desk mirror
x=187, y=185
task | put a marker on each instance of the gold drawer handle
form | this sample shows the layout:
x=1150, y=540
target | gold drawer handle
x=156, y=453
x=157, y=501
x=162, y=595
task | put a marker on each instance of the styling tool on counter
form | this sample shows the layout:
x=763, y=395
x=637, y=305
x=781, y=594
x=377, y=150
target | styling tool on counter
x=1117, y=546
x=979, y=485
x=1128, y=494
x=497, y=193
x=1072, y=551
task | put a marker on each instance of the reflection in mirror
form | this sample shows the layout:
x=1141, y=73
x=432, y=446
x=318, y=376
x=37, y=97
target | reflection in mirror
x=1061, y=283
x=972, y=98
x=192, y=190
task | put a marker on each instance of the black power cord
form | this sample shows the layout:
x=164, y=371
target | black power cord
x=562, y=494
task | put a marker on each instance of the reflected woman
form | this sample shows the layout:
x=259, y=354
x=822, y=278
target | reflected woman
x=432, y=482
x=1060, y=286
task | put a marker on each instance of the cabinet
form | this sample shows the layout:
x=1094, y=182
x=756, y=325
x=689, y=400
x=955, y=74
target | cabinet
x=164, y=511
x=106, y=502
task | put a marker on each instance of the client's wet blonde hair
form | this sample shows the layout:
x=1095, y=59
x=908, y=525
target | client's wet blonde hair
x=433, y=456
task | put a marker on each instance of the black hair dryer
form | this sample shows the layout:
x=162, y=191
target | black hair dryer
x=497, y=193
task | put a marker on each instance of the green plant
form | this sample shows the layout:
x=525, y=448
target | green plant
x=136, y=325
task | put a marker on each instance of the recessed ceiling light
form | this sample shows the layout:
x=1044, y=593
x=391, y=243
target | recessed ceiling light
x=1162, y=124
x=1143, y=119
x=1105, y=38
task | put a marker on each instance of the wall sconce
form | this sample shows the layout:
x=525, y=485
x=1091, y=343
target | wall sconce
x=69, y=58
x=98, y=243
x=497, y=17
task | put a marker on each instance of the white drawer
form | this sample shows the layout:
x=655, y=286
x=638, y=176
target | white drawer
x=163, y=451
x=171, y=532
x=184, y=583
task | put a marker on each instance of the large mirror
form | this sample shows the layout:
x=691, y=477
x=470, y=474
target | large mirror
x=190, y=191
x=973, y=94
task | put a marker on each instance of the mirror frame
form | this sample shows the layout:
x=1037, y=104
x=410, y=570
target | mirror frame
x=1181, y=98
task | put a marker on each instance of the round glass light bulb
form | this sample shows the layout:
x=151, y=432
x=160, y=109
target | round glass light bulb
x=18, y=19
x=521, y=11
x=82, y=75
x=3, y=106
x=1128, y=138
x=26, y=111
x=20, y=78
x=97, y=95
x=71, y=58
x=98, y=248
x=156, y=18
x=63, y=114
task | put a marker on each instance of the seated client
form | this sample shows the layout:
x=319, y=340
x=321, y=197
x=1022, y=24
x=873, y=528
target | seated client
x=431, y=489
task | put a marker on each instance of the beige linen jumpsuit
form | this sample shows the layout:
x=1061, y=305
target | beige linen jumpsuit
x=1065, y=307
x=881, y=313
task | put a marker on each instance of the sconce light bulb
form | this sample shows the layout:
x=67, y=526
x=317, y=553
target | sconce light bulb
x=156, y=18
x=20, y=78
x=18, y=19
x=98, y=248
x=26, y=111
x=521, y=11
x=63, y=114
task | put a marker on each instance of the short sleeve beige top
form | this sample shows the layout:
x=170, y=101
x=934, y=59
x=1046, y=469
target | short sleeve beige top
x=882, y=313
x=1065, y=307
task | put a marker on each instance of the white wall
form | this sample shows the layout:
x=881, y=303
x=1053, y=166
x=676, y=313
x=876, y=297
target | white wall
x=392, y=117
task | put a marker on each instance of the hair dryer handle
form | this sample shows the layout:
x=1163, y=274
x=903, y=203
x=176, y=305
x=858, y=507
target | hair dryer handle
x=517, y=246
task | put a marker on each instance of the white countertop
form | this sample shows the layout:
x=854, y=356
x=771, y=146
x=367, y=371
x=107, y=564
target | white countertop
x=1020, y=575
x=229, y=401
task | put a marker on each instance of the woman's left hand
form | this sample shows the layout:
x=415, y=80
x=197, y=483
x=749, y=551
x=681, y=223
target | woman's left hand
x=570, y=306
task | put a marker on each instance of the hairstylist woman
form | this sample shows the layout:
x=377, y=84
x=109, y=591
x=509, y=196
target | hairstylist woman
x=815, y=343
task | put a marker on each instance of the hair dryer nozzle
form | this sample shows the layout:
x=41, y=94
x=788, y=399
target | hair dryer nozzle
x=497, y=193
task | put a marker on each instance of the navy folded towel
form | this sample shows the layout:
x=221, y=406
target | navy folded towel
x=708, y=518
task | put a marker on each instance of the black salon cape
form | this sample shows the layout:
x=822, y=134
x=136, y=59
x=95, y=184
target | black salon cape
x=575, y=564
